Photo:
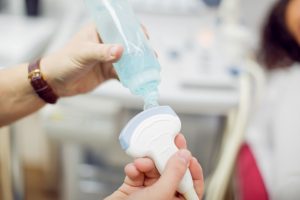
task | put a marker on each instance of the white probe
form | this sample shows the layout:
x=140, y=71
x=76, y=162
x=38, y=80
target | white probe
x=151, y=134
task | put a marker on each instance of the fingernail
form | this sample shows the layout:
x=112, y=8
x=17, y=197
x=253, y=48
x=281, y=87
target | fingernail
x=114, y=50
x=185, y=155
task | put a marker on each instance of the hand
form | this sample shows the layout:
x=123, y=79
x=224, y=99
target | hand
x=144, y=182
x=82, y=64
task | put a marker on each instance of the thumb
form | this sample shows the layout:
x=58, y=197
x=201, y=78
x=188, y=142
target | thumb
x=170, y=179
x=96, y=52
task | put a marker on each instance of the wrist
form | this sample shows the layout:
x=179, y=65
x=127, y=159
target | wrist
x=40, y=84
x=24, y=89
x=46, y=64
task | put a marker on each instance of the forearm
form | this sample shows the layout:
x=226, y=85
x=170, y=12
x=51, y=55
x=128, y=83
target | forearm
x=17, y=97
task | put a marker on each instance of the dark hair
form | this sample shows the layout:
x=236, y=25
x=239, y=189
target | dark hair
x=279, y=48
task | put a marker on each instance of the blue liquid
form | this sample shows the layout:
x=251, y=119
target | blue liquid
x=138, y=69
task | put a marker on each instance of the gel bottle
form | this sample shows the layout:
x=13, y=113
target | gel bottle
x=138, y=69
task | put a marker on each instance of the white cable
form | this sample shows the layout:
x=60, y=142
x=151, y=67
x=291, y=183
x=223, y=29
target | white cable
x=259, y=80
x=232, y=140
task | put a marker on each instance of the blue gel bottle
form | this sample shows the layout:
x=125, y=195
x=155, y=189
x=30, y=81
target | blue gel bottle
x=138, y=69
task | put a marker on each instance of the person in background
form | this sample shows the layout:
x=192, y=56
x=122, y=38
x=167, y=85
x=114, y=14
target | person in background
x=274, y=133
x=82, y=65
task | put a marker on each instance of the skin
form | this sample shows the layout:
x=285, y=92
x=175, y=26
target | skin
x=79, y=67
x=292, y=19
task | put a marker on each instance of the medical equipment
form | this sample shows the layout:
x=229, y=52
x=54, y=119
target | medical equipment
x=138, y=69
x=152, y=133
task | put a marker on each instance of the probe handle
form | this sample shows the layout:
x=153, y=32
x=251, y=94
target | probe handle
x=161, y=156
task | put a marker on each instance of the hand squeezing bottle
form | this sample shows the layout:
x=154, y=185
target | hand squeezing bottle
x=152, y=132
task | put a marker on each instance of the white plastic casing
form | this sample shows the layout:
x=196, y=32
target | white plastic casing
x=151, y=134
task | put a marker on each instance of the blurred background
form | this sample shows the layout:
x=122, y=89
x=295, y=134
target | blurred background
x=210, y=77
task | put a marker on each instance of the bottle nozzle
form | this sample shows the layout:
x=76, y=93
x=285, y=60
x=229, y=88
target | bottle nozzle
x=150, y=100
x=150, y=105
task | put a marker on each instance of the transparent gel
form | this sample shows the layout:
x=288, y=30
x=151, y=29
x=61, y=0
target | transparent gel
x=138, y=69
